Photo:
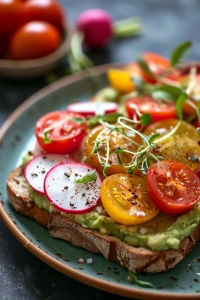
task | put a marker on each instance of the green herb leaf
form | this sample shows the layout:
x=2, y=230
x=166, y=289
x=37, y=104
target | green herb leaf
x=144, y=66
x=194, y=158
x=179, y=105
x=145, y=119
x=167, y=93
x=138, y=81
x=46, y=138
x=110, y=118
x=140, y=282
x=198, y=130
x=91, y=176
x=153, y=138
x=180, y=52
x=78, y=120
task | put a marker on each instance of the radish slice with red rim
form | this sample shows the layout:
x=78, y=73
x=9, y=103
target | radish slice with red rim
x=36, y=170
x=92, y=108
x=66, y=194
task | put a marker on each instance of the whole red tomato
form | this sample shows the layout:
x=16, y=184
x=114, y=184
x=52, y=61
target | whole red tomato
x=12, y=16
x=46, y=10
x=4, y=42
x=33, y=40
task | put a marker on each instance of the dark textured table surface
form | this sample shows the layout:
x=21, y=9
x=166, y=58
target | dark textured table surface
x=166, y=23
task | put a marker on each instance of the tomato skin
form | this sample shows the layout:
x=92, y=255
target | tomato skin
x=33, y=40
x=64, y=133
x=12, y=16
x=180, y=146
x=116, y=141
x=4, y=44
x=157, y=64
x=126, y=199
x=174, y=187
x=49, y=11
x=146, y=104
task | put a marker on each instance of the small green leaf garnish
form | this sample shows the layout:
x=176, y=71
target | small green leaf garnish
x=144, y=66
x=179, y=105
x=138, y=81
x=46, y=138
x=180, y=52
x=78, y=120
x=153, y=138
x=110, y=118
x=198, y=130
x=145, y=119
x=166, y=92
x=141, y=283
x=194, y=158
x=91, y=176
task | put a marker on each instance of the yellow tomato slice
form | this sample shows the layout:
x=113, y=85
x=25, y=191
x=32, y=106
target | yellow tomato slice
x=120, y=80
x=126, y=200
x=116, y=141
x=181, y=146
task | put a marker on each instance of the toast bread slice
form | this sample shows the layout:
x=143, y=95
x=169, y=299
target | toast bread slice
x=137, y=260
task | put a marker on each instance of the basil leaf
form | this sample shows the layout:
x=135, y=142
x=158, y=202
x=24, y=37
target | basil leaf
x=91, y=176
x=167, y=93
x=140, y=282
x=179, y=105
x=144, y=66
x=180, y=52
x=145, y=119
x=46, y=138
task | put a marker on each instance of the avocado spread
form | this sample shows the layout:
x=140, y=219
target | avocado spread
x=163, y=232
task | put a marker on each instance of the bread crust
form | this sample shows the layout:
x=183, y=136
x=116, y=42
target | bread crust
x=134, y=259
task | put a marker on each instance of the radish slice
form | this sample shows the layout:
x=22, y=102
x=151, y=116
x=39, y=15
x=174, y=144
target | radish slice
x=92, y=108
x=38, y=167
x=66, y=194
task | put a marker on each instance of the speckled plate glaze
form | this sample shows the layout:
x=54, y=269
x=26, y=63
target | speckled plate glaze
x=182, y=282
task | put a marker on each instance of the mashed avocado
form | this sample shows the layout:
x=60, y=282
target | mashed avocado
x=161, y=233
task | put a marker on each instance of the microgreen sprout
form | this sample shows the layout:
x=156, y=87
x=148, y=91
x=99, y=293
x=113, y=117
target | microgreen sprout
x=139, y=159
x=46, y=137
x=91, y=176
x=145, y=284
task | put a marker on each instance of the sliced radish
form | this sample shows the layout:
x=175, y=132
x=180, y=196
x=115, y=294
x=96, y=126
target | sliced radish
x=38, y=167
x=92, y=108
x=66, y=194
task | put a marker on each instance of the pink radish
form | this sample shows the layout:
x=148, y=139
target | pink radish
x=92, y=108
x=96, y=25
x=98, y=28
x=63, y=191
x=38, y=167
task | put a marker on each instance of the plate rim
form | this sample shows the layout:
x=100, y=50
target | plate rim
x=98, y=283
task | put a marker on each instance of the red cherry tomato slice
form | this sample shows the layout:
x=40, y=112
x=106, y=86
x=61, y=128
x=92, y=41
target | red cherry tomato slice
x=157, y=64
x=146, y=104
x=173, y=187
x=60, y=132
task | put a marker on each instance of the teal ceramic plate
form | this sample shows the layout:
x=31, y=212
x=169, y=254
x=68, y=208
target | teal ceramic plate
x=182, y=282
